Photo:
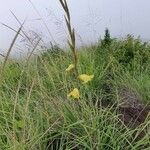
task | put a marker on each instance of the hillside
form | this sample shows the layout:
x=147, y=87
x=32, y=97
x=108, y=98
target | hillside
x=111, y=113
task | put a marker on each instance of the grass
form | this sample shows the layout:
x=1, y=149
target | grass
x=36, y=114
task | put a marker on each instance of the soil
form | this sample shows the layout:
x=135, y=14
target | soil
x=133, y=112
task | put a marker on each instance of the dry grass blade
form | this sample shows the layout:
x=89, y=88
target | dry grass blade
x=63, y=5
x=67, y=10
x=22, y=30
x=69, y=27
x=72, y=41
x=10, y=28
x=44, y=23
x=2, y=55
x=34, y=48
x=11, y=46
x=24, y=33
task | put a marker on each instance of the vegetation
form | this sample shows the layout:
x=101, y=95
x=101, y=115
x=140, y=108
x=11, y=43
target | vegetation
x=36, y=114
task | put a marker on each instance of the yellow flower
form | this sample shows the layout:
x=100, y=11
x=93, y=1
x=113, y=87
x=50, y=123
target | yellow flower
x=85, y=78
x=70, y=67
x=74, y=94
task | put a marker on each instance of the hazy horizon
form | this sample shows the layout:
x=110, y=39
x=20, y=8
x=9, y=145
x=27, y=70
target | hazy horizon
x=89, y=18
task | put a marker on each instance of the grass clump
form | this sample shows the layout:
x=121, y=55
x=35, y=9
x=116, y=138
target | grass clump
x=36, y=114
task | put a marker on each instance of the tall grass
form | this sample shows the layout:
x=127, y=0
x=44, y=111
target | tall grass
x=35, y=113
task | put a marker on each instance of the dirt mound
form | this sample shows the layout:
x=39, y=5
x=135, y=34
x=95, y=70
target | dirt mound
x=133, y=116
x=132, y=111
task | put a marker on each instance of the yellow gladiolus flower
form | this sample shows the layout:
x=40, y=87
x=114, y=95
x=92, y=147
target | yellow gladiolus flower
x=85, y=78
x=74, y=94
x=70, y=67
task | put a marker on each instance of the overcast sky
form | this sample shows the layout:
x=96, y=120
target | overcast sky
x=89, y=17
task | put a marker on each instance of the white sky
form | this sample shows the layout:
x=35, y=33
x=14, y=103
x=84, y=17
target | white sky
x=90, y=17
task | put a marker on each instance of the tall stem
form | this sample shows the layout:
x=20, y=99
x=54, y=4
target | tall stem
x=72, y=40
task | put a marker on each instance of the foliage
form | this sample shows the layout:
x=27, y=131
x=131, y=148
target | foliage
x=54, y=51
x=107, y=38
x=35, y=113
